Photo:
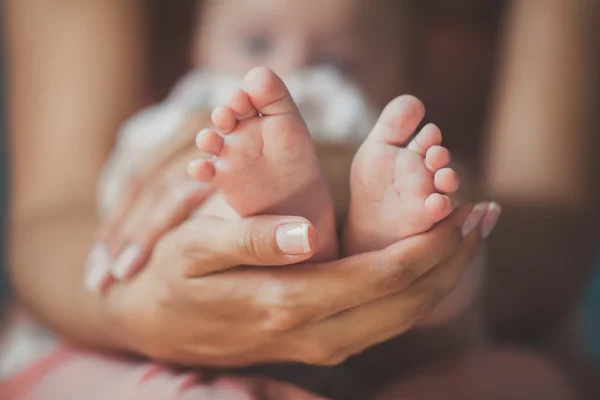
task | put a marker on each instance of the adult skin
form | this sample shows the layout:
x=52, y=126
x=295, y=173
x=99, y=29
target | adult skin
x=54, y=204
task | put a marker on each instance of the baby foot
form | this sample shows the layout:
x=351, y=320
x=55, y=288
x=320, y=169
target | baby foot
x=265, y=162
x=398, y=189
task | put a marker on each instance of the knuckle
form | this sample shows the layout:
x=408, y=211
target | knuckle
x=278, y=319
x=334, y=360
x=398, y=272
x=165, y=295
x=280, y=307
x=189, y=268
x=315, y=352
x=246, y=243
x=251, y=243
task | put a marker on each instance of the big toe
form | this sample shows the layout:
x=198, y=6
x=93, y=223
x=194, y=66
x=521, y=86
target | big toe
x=268, y=93
x=398, y=121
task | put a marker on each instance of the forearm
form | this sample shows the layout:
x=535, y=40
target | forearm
x=47, y=256
x=74, y=72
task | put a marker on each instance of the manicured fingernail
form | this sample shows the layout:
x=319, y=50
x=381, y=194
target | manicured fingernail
x=292, y=239
x=125, y=261
x=490, y=220
x=474, y=218
x=97, y=268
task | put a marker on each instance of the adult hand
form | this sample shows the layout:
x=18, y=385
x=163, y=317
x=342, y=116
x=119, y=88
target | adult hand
x=158, y=197
x=193, y=305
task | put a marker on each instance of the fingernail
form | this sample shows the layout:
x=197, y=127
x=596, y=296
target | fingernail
x=96, y=268
x=292, y=239
x=125, y=261
x=490, y=220
x=473, y=218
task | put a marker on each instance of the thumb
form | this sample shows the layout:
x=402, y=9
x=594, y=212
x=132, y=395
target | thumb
x=261, y=241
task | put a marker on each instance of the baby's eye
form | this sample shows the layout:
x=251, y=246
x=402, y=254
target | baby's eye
x=257, y=46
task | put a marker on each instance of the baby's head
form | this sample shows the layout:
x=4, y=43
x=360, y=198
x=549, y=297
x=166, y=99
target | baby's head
x=364, y=40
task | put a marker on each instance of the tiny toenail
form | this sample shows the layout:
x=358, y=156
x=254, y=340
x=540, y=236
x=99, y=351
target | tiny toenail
x=474, y=218
x=292, y=239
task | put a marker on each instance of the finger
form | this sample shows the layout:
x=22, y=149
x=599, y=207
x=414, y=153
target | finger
x=355, y=330
x=181, y=140
x=121, y=246
x=263, y=240
x=111, y=225
x=171, y=188
x=170, y=211
x=350, y=282
x=171, y=179
x=97, y=269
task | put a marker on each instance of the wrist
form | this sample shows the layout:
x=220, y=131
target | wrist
x=109, y=324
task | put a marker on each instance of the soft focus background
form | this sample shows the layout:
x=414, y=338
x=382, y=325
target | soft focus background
x=457, y=61
x=3, y=179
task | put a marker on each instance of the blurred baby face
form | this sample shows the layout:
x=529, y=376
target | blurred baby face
x=358, y=38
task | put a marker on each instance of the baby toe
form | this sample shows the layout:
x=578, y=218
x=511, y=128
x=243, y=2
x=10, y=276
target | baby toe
x=268, y=93
x=398, y=121
x=201, y=170
x=437, y=157
x=224, y=119
x=446, y=180
x=429, y=136
x=209, y=141
x=439, y=206
x=241, y=105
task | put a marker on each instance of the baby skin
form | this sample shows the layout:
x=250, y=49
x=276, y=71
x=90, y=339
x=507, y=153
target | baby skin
x=398, y=186
x=264, y=161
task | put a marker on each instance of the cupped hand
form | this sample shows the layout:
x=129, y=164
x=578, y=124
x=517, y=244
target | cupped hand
x=198, y=301
x=158, y=197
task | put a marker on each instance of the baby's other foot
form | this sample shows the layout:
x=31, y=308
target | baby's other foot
x=398, y=189
x=265, y=161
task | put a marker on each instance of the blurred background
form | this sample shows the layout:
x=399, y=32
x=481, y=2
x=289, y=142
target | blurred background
x=466, y=66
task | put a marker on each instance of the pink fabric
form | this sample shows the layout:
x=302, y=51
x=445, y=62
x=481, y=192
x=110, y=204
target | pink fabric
x=76, y=374
x=79, y=374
